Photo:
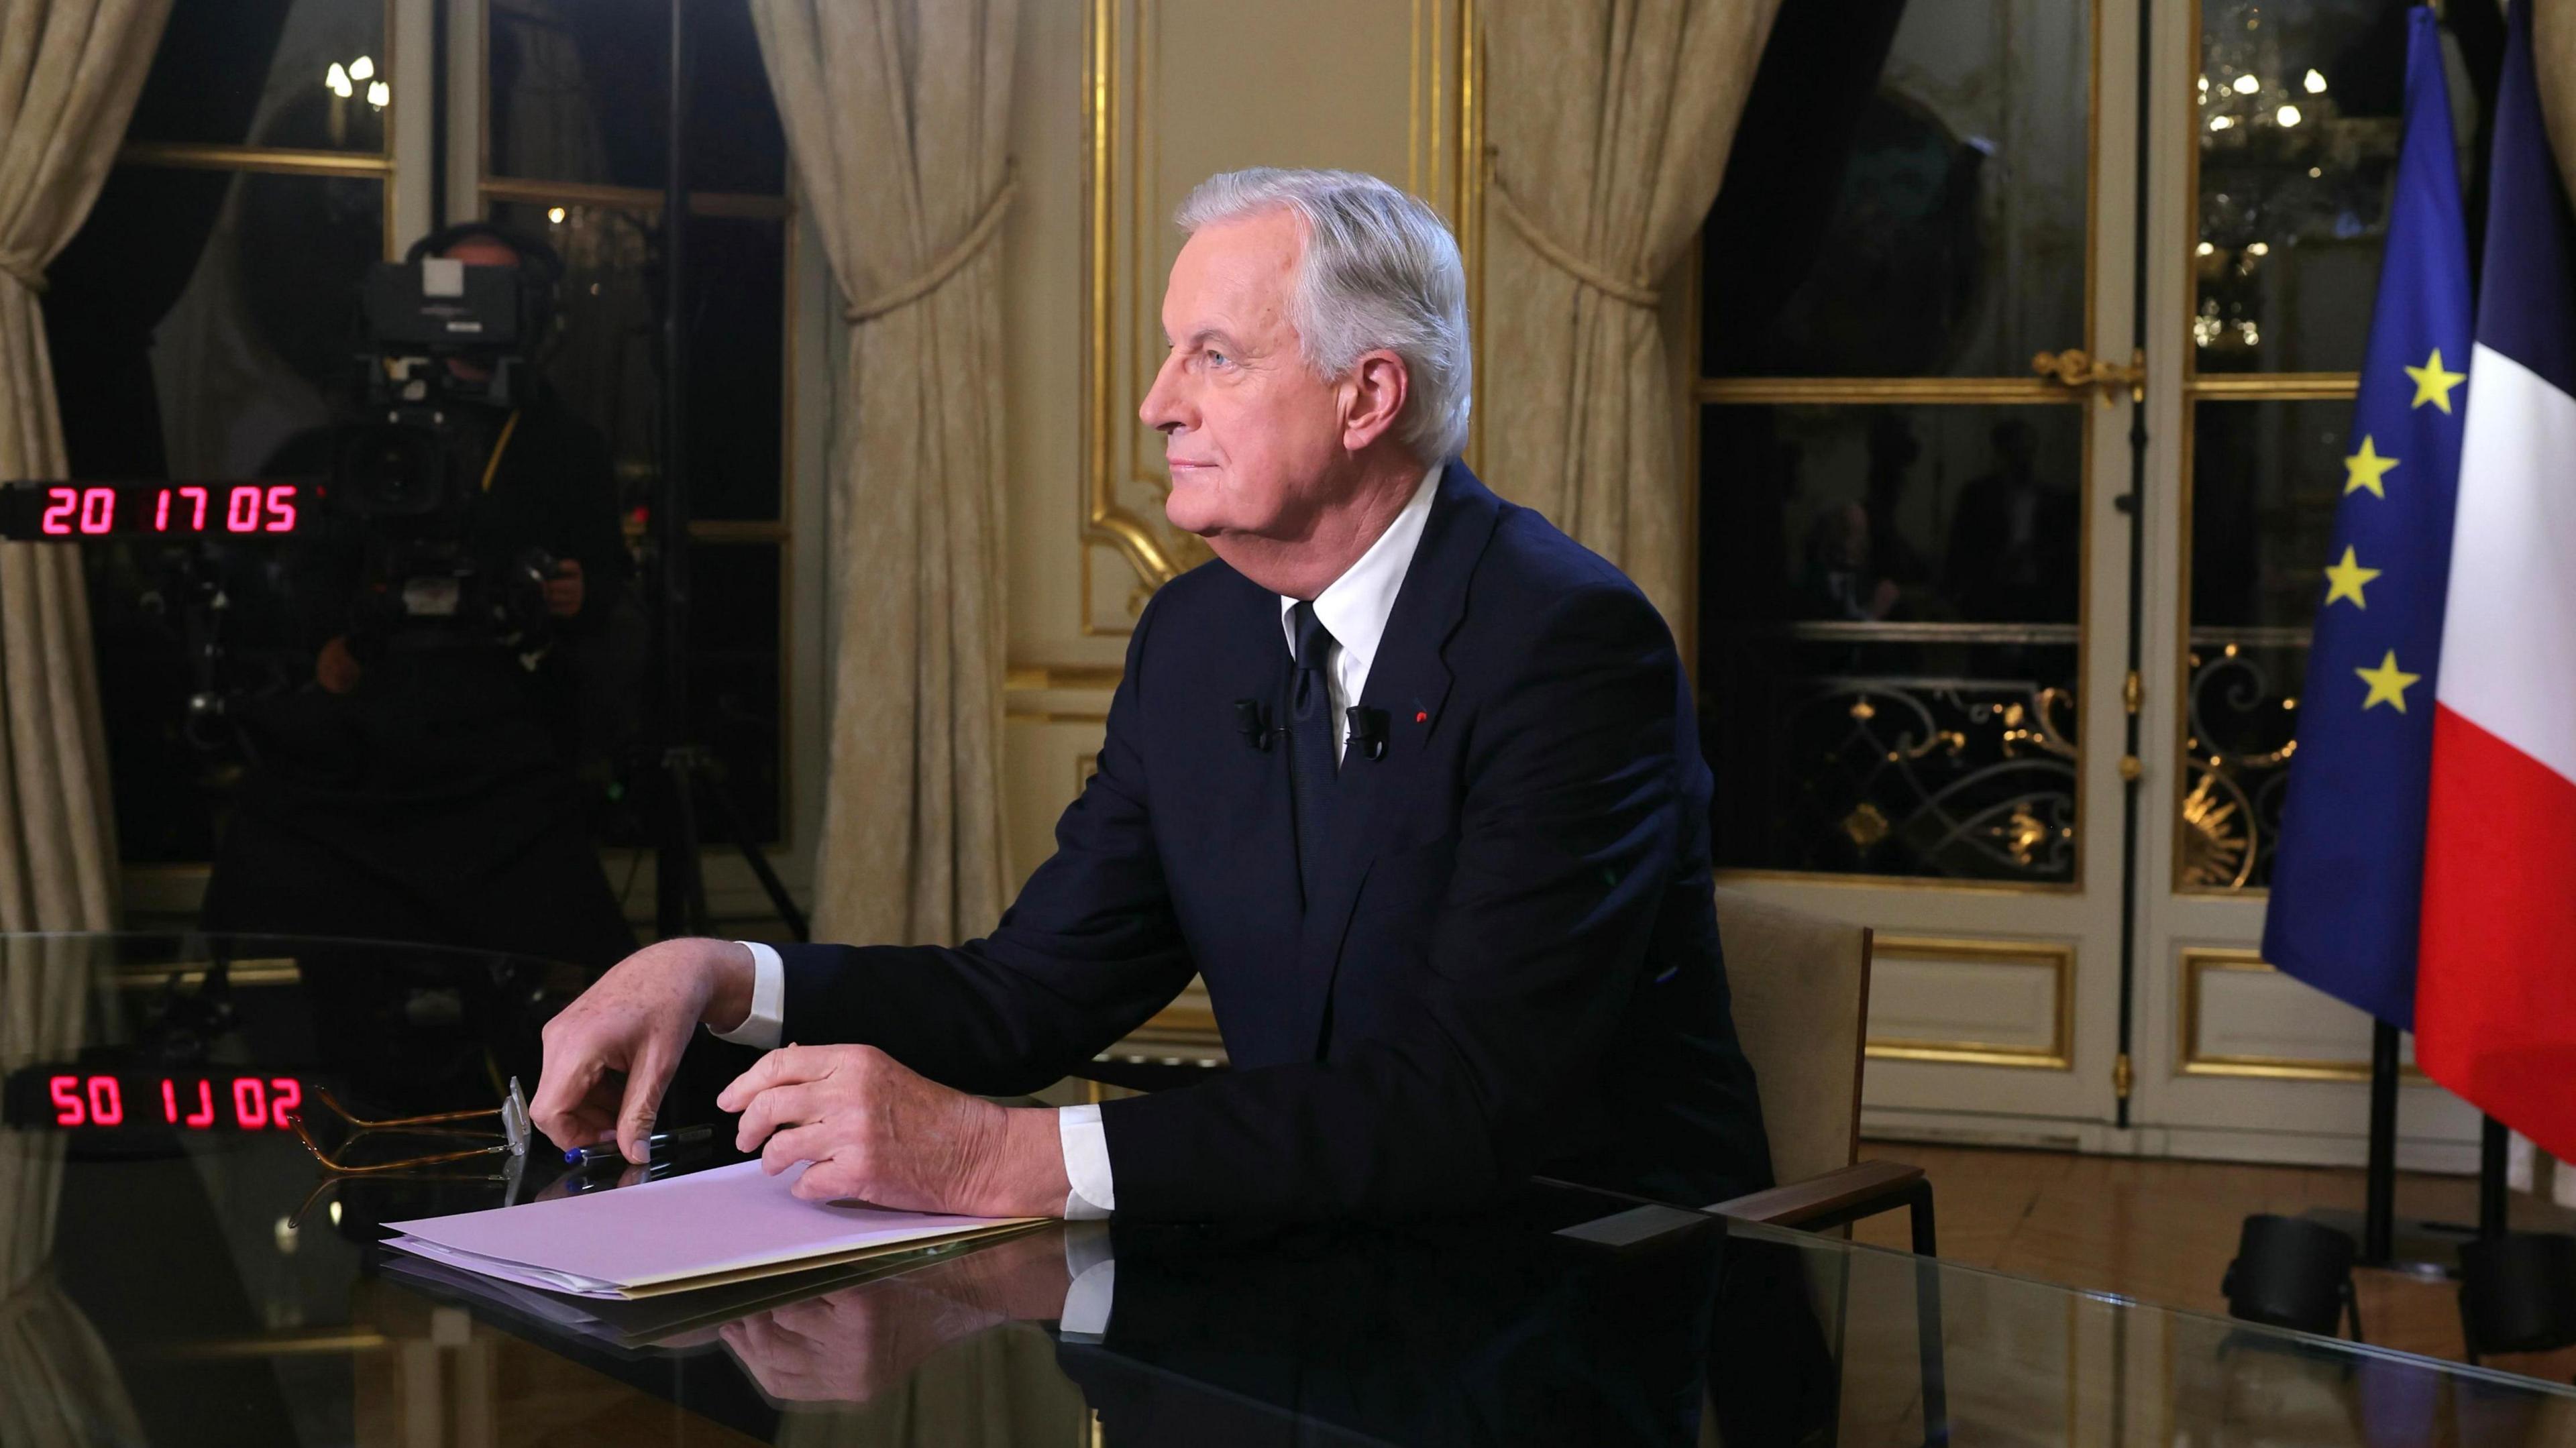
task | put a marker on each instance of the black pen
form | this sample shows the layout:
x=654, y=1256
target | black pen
x=658, y=1141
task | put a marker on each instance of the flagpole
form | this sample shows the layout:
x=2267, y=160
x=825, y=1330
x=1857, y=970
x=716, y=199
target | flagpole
x=2379, y=1190
x=2493, y=1137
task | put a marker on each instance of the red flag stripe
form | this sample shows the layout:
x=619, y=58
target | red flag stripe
x=2495, y=1000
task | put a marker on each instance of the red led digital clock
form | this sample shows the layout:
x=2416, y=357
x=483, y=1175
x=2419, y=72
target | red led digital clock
x=58, y=512
x=187, y=1103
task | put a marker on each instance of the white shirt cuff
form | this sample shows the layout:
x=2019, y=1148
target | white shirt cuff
x=1086, y=1164
x=768, y=1000
x=1093, y=1275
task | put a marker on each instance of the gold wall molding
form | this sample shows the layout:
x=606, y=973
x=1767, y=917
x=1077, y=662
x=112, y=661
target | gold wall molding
x=2199, y=962
x=1945, y=884
x=275, y=160
x=634, y=198
x=2057, y=958
x=1125, y=217
x=1033, y=678
x=1815, y=391
x=2273, y=386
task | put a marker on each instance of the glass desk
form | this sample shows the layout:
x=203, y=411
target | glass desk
x=174, y=1283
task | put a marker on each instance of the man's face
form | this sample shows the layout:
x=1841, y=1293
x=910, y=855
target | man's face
x=1254, y=439
x=481, y=251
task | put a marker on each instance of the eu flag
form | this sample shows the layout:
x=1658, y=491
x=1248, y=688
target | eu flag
x=2347, y=876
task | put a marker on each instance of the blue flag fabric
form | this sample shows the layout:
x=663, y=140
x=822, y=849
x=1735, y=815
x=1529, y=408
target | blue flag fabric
x=2347, y=874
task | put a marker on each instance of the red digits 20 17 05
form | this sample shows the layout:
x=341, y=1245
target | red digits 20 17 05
x=249, y=1103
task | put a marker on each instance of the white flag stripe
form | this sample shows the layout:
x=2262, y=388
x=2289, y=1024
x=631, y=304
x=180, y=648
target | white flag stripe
x=2509, y=637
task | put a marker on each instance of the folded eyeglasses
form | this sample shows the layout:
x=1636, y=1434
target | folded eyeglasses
x=514, y=1133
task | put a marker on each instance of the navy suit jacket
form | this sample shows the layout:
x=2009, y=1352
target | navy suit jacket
x=1511, y=964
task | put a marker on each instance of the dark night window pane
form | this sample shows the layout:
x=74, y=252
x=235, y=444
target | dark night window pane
x=198, y=321
x=606, y=354
x=1908, y=193
x=734, y=676
x=258, y=72
x=737, y=268
x=735, y=143
x=1888, y=656
x=578, y=90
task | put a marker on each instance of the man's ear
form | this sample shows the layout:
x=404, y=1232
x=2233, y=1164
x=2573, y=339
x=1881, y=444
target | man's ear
x=1377, y=386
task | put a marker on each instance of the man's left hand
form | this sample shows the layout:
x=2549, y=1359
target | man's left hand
x=879, y=1133
x=563, y=590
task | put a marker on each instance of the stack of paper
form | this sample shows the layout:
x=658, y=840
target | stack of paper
x=672, y=1320
x=732, y=1224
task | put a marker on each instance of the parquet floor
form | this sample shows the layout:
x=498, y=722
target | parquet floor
x=2164, y=1231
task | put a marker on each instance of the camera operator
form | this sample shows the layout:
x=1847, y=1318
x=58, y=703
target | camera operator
x=428, y=784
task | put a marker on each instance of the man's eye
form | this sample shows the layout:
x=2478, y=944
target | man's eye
x=1216, y=358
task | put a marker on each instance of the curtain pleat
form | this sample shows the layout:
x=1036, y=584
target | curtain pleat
x=1610, y=122
x=897, y=117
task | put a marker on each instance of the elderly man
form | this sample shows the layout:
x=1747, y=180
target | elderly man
x=1409, y=777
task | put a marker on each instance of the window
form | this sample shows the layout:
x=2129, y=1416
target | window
x=1893, y=518
x=577, y=107
x=199, y=320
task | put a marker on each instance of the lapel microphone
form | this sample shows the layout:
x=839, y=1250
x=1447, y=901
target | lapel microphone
x=1368, y=731
x=1252, y=721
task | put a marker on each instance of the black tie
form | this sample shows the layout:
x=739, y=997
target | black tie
x=1311, y=764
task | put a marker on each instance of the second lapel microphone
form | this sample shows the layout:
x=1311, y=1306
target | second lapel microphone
x=1368, y=727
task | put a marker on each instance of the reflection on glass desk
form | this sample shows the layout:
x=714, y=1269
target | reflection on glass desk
x=178, y=1285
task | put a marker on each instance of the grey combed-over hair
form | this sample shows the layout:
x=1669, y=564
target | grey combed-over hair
x=1379, y=271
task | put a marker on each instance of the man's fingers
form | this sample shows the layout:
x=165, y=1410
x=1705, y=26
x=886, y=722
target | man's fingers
x=780, y=1067
x=786, y=1148
x=643, y=1102
x=562, y=1103
x=830, y=1181
x=779, y=1106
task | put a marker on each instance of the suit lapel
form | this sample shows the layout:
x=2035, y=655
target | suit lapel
x=1409, y=680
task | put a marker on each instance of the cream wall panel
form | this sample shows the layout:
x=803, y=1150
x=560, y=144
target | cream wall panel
x=2238, y=1012
x=2003, y=1003
x=1042, y=332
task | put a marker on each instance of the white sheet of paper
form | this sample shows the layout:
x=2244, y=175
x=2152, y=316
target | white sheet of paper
x=611, y=1243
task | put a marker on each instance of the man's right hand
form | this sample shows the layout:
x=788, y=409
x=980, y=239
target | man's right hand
x=610, y=1053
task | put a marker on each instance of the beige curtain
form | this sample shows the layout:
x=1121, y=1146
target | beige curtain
x=1610, y=122
x=896, y=114
x=57, y=1382
x=69, y=73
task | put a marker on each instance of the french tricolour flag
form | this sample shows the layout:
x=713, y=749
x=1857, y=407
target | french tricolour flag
x=2495, y=1006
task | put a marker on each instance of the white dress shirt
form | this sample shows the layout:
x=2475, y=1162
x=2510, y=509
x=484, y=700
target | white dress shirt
x=1354, y=610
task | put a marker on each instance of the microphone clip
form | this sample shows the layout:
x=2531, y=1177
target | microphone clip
x=1252, y=721
x=1368, y=731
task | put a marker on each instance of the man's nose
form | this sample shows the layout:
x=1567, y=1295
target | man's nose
x=1164, y=409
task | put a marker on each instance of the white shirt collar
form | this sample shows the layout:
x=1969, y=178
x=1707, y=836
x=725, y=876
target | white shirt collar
x=1355, y=606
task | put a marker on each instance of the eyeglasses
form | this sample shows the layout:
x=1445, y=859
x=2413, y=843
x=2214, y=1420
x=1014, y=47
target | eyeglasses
x=514, y=1133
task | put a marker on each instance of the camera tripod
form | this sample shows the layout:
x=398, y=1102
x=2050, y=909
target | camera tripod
x=680, y=899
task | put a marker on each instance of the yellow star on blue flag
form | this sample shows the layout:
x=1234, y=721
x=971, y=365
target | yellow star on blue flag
x=2387, y=683
x=2434, y=385
x=2345, y=579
